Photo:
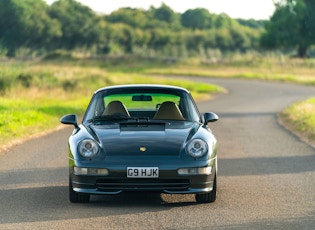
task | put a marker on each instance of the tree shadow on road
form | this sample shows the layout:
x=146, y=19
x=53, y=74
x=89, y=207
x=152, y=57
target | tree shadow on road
x=51, y=203
x=266, y=165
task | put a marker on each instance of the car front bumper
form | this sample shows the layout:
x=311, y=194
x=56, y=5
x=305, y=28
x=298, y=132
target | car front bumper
x=169, y=181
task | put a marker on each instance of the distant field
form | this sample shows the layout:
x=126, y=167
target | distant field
x=35, y=94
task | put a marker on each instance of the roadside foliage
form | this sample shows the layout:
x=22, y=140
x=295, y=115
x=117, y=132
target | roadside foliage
x=69, y=25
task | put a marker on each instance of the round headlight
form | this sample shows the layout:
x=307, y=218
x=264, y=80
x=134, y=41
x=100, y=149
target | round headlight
x=88, y=148
x=197, y=148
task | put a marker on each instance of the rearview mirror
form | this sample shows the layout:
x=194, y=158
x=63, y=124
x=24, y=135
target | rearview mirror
x=142, y=98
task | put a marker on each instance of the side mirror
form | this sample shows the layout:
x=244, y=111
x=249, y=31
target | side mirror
x=70, y=119
x=210, y=117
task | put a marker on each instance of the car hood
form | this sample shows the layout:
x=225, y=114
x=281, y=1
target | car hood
x=145, y=138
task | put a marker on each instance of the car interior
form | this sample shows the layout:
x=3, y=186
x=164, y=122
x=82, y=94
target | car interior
x=168, y=110
x=116, y=107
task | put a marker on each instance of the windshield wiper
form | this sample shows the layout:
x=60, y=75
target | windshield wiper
x=116, y=117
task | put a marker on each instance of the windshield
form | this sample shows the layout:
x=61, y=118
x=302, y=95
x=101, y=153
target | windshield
x=148, y=104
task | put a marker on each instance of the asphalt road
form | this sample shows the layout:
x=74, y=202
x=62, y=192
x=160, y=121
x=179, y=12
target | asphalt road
x=266, y=175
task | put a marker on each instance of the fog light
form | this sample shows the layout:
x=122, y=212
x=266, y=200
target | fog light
x=90, y=171
x=195, y=171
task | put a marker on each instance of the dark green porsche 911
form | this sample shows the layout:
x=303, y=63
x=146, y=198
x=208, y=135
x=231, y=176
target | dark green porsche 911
x=144, y=138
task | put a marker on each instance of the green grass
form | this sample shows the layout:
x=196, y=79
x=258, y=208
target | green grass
x=300, y=118
x=20, y=118
x=243, y=72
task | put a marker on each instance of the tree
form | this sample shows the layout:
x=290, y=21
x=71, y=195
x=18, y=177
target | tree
x=80, y=25
x=291, y=26
x=26, y=24
x=223, y=21
x=198, y=18
x=223, y=39
x=241, y=41
x=165, y=14
x=254, y=24
x=195, y=40
x=129, y=16
x=159, y=38
x=67, y=24
x=126, y=38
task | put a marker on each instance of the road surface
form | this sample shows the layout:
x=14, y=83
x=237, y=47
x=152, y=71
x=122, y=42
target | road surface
x=266, y=175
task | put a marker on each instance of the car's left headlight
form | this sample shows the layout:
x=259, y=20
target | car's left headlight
x=88, y=148
x=197, y=148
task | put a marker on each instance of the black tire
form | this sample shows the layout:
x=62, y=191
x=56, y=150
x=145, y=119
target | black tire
x=209, y=197
x=76, y=197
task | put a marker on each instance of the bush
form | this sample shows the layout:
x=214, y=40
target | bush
x=25, y=80
x=58, y=54
x=5, y=84
x=69, y=85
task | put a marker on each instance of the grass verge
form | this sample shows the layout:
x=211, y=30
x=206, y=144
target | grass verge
x=21, y=118
x=299, y=118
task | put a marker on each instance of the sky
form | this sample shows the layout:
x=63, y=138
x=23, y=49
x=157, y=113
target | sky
x=246, y=9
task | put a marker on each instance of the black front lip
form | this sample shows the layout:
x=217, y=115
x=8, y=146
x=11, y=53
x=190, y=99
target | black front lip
x=107, y=185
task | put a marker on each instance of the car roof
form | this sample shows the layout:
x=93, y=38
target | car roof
x=143, y=86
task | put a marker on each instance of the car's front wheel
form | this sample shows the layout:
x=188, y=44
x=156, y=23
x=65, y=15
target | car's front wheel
x=210, y=196
x=76, y=197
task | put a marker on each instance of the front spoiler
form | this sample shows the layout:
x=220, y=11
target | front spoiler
x=168, y=185
x=97, y=192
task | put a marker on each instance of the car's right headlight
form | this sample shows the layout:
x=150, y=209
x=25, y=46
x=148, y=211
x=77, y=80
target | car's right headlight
x=197, y=148
x=88, y=148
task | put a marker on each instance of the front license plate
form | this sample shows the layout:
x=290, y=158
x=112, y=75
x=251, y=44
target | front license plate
x=142, y=172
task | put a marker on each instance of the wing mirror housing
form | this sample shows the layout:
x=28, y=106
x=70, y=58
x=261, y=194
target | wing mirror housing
x=210, y=117
x=70, y=119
